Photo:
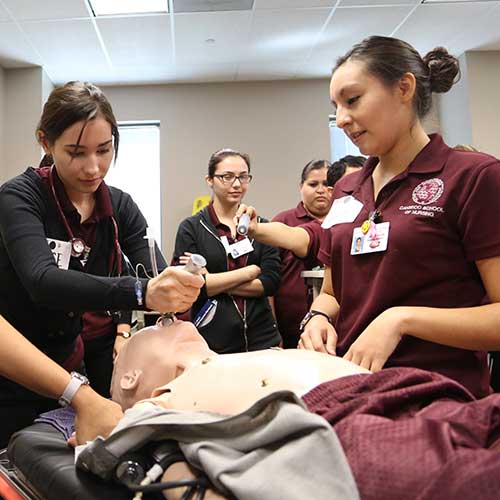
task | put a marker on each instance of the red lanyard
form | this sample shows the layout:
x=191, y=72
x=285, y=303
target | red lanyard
x=78, y=244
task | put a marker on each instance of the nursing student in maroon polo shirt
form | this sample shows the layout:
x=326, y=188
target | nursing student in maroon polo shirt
x=302, y=241
x=294, y=297
x=424, y=290
x=232, y=312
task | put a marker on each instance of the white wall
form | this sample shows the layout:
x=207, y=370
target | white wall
x=23, y=105
x=454, y=109
x=2, y=116
x=282, y=125
x=470, y=111
x=484, y=82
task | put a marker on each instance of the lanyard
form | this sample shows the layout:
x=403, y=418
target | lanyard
x=78, y=244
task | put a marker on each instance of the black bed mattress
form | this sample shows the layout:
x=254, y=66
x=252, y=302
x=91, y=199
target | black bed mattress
x=41, y=457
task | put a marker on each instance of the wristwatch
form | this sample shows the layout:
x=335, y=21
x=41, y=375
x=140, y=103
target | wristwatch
x=125, y=335
x=77, y=379
x=310, y=314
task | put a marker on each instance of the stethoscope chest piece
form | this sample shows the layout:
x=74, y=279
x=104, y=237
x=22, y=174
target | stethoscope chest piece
x=77, y=247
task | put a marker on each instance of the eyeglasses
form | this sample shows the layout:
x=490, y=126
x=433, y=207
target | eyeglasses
x=230, y=178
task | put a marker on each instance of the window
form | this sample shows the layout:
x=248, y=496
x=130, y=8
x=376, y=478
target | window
x=137, y=169
x=340, y=144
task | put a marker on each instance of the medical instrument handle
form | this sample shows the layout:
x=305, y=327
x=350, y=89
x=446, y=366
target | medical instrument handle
x=243, y=224
x=194, y=265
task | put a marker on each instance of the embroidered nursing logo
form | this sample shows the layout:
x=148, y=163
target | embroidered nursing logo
x=428, y=192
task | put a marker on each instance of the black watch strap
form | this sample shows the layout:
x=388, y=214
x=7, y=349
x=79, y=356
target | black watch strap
x=310, y=314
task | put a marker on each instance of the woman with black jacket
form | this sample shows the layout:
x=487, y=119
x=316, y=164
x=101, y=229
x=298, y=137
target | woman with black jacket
x=63, y=237
x=232, y=311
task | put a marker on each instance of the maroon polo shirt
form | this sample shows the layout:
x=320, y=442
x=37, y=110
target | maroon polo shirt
x=294, y=298
x=232, y=264
x=443, y=213
x=95, y=324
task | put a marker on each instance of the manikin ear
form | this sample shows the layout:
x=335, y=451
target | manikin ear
x=179, y=369
x=406, y=87
x=130, y=380
x=42, y=140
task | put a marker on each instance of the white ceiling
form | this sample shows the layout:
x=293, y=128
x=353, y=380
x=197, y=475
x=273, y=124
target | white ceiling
x=276, y=39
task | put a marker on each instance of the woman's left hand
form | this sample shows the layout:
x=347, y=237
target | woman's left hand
x=379, y=340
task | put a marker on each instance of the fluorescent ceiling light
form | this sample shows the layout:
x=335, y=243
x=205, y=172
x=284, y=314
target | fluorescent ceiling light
x=117, y=7
x=183, y=6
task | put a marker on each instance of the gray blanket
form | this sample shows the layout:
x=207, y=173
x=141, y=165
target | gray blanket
x=275, y=449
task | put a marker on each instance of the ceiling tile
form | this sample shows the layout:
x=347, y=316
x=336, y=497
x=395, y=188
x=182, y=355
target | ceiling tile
x=267, y=71
x=284, y=35
x=4, y=16
x=228, y=30
x=205, y=72
x=349, y=26
x=277, y=39
x=451, y=26
x=42, y=9
x=292, y=4
x=137, y=41
x=15, y=49
x=80, y=48
x=373, y=3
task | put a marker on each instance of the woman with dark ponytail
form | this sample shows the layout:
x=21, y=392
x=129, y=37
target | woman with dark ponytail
x=64, y=235
x=424, y=288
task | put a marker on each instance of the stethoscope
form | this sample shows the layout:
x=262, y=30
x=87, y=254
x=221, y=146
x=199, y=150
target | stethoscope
x=78, y=244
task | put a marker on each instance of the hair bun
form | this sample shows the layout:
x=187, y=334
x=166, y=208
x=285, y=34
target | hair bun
x=443, y=69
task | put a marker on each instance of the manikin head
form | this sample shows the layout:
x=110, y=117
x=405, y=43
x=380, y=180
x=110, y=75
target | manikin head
x=153, y=357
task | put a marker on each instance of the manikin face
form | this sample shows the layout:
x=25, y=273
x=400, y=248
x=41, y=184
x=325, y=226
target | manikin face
x=154, y=357
x=315, y=193
x=371, y=114
x=229, y=193
x=82, y=170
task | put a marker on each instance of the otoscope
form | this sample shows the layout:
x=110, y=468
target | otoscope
x=243, y=224
x=194, y=265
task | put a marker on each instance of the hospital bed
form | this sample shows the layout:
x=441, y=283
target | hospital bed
x=407, y=434
x=41, y=454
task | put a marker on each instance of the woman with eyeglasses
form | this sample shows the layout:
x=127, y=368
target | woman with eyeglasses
x=232, y=311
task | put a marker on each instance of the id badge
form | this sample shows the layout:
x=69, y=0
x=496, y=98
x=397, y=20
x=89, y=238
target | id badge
x=343, y=210
x=225, y=242
x=240, y=248
x=61, y=250
x=373, y=241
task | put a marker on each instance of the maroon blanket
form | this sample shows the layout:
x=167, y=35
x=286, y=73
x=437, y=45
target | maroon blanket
x=412, y=434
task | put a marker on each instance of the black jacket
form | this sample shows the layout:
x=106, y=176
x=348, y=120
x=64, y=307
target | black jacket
x=42, y=301
x=229, y=331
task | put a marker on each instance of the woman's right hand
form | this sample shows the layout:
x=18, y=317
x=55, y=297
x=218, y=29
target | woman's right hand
x=184, y=258
x=252, y=213
x=173, y=290
x=319, y=335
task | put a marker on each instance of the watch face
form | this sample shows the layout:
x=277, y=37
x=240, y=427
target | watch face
x=303, y=323
x=81, y=377
x=125, y=335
